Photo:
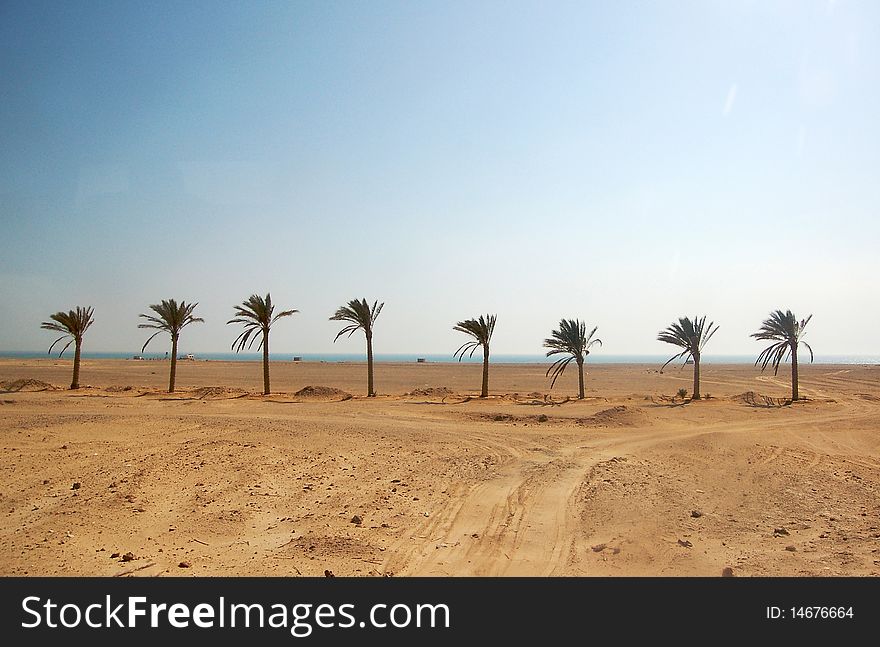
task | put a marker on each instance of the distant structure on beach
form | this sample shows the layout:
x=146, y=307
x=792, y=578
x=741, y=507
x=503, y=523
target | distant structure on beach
x=297, y=358
x=421, y=360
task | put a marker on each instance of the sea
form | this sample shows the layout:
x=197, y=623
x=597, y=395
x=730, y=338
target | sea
x=500, y=358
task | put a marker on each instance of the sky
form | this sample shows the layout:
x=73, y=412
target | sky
x=626, y=163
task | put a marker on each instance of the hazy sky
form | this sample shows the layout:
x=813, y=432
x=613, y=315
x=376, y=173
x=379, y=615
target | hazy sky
x=622, y=162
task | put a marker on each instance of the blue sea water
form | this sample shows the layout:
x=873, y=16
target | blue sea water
x=501, y=358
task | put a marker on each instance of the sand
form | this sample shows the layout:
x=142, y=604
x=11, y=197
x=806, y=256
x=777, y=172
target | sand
x=120, y=478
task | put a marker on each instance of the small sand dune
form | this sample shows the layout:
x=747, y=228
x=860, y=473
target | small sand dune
x=322, y=393
x=14, y=386
x=619, y=416
x=217, y=393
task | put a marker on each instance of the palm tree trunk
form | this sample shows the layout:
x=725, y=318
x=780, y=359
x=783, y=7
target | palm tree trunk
x=484, y=393
x=173, y=363
x=370, y=392
x=76, y=355
x=696, y=395
x=794, y=373
x=265, y=361
x=580, y=379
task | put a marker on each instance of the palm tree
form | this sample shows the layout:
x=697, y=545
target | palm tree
x=786, y=331
x=73, y=324
x=692, y=336
x=360, y=316
x=481, y=330
x=172, y=318
x=571, y=338
x=257, y=316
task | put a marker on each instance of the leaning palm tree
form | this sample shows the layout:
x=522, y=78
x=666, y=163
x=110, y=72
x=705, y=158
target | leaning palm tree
x=72, y=324
x=692, y=336
x=481, y=330
x=360, y=316
x=573, y=340
x=171, y=317
x=784, y=329
x=256, y=314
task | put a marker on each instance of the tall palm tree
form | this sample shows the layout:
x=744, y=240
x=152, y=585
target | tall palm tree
x=256, y=314
x=481, y=330
x=692, y=336
x=572, y=339
x=784, y=329
x=360, y=316
x=73, y=324
x=171, y=317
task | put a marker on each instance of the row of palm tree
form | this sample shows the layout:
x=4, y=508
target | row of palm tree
x=571, y=340
x=257, y=315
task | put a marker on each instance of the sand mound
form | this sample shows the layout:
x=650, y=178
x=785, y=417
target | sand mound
x=619, y=416
x=434, y=391
x=118, y=389
x=322, y=393
x=217, y=392
x=757, y=400
x=26, y=385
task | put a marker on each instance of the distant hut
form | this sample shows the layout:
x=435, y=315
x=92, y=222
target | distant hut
x=420, y=360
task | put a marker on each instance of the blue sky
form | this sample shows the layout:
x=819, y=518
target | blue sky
x=622, y=162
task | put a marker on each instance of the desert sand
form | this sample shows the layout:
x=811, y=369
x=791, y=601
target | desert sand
x=120, y=478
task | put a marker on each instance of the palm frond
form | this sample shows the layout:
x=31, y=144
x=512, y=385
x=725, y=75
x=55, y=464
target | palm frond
x=685, y=353
x=558, y=368
x=154, y=322
x=353, y=328
x=247, y=338
x=471, y=346
x=590, y=341
x=149, y=340
x=774, y=355
x=53, y=345
x=283, y=313
x=809, y=349
x=57, y=327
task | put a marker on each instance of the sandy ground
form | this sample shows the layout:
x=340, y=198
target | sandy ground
x=219, y=480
